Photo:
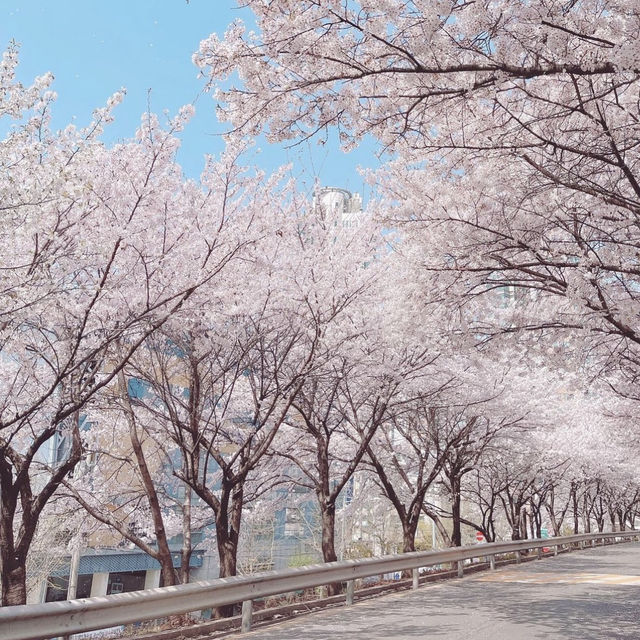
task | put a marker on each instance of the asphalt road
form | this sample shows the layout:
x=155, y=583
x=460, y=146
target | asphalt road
x=585, y=595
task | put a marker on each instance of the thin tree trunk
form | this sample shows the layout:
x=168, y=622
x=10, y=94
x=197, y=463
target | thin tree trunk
x=576, y=517
x=164, y=557
x=442, y=531
x=187, y=550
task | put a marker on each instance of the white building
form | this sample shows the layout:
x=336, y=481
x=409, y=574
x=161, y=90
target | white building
x=338, y=203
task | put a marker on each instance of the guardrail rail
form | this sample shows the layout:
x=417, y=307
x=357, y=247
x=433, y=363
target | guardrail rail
x=54, y=619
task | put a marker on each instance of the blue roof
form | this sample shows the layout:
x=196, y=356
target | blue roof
x=111, y=561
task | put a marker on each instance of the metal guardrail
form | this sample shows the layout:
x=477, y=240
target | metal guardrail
x=52, y=619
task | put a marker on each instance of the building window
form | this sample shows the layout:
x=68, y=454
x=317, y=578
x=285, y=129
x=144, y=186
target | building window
x=58, y=587
x=126, y=581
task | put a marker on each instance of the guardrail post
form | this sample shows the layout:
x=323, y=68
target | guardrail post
x=351, y=586
x=582, y=544
x=247, y=614
x=518, y=557
x=556, y=549
x=539, y=553
x=492, y=563
x=415, y=575
x=593, y=543
x=460, y=564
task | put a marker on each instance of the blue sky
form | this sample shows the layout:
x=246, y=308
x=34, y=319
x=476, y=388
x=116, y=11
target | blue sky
x=95, y=47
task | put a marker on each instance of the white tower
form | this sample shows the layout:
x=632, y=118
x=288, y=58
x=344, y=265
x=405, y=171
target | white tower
x=340, y=204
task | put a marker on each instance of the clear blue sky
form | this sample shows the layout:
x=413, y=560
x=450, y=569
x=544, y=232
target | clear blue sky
x=95, y=47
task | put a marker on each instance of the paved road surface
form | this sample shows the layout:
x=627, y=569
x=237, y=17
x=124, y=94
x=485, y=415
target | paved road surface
x=586, y=595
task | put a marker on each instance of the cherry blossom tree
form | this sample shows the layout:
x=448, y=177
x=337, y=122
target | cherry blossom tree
x=129, y=486
x=222, y=404
x=336, y=414
x=411, y=71
x=150, y=392
x=513, y=124
x=102, y=247
x=361, y=367
x=221, y=376
x=406, y=465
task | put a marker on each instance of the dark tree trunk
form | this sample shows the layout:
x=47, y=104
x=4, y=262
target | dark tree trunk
x=523, y=525
x=516, y=526
x=329, y=542
x=488, y=521
x=599, y=513
x=15, y=482
x=14, y=590
x=576, y=515
x=227, y=553
x=328, y=533
x=409, y=529
x=11, y=569
x=535, y=504
x=227, y=536
x=600, y=516
x=456, y=535
x=228, y=558
x=532, y=525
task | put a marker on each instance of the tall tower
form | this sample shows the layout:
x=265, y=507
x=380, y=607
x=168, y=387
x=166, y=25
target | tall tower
x=340, y=204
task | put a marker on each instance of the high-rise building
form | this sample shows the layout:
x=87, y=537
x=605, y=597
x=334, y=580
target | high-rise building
x=339, y=203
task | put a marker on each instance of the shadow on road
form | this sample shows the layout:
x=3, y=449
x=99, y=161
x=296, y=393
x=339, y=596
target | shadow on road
x=495, y=610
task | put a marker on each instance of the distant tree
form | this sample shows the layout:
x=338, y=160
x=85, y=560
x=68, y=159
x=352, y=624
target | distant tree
x=406, y=462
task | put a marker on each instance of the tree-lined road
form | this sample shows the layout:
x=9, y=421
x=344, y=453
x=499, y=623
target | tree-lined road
x=588, y=595
x=267, y=373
